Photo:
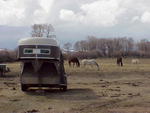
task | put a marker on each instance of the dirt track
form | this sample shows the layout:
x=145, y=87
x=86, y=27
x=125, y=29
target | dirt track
x=118, y=90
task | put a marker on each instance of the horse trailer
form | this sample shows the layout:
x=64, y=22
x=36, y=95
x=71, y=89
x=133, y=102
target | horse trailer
x=42, y=63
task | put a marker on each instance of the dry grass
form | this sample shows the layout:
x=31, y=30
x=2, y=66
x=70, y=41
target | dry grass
x=108, y=66
x=113, y=89
x=125, y=86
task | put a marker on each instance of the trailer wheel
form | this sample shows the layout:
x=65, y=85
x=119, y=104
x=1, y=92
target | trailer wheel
x=24, y=87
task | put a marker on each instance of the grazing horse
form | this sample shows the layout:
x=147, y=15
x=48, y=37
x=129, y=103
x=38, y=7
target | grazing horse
x=119, y=61
x=90, y=62
x=74, y=60
x=135, y=61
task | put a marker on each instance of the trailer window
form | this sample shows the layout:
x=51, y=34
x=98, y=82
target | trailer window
x=28, y=51
x=36, y=51
x=45, y=51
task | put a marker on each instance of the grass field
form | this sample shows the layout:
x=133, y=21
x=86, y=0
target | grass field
x=112, y=89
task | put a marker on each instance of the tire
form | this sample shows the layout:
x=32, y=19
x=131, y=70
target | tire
x=24, y=87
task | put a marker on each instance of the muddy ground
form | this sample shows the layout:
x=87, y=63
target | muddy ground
x=111, y=90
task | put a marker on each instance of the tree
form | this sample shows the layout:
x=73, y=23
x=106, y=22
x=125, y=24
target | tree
x=37, y=30
x=110, y=47
x=48, y=31
x=43, y=30
x=144, y=47
x=67, y=46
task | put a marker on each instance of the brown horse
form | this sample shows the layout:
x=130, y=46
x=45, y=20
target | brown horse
x=119, y=61
x=74, y=61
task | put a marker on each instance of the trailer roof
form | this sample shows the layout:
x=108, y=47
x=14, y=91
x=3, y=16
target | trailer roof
x=38, y=41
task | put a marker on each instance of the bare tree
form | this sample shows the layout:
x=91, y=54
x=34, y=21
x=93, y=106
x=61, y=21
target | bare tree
x=43, y=30
x=109, y=47
x=48, y=31
x=67, y=46
x=92, y=42
x=77, y=46
x=37, y=30
x=144, y=47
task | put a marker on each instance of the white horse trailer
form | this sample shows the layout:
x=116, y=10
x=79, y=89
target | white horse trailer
x=42, y=63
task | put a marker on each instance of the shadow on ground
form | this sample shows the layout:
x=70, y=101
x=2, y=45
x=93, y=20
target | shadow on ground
x=70, y=94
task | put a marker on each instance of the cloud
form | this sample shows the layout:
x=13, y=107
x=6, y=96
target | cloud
x=135, y=19
x=108, y=13
x=24, y=12
x=101, y=12
x=67, y=15
x=145, y=17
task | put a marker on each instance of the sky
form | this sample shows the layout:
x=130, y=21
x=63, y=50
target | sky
x=74, y=20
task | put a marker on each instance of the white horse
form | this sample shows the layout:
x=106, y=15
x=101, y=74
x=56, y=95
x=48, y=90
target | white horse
x=135, y=61
x=90, y=62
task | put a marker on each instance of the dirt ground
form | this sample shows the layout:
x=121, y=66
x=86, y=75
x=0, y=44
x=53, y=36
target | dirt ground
x=112, y=89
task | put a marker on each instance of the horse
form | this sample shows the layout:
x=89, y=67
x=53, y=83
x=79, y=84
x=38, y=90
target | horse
x=119, y=61
x=135, y=61
x=90, y=62
x=74, y=61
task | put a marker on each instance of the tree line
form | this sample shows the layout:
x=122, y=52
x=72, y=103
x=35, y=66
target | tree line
x=94, y=47
x=8, y=55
